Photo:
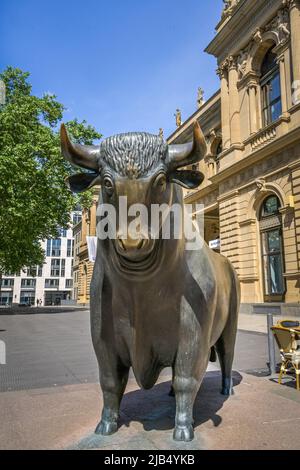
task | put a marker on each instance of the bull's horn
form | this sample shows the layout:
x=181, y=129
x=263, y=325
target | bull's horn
x=85, y=156
x=186, y=154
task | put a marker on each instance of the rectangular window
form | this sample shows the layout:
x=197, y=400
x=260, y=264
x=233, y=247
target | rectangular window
x=76, y=218
x=56, y=246
x=62, y=232
x=272, y=262
x=63, y=264
x=28, y=283
x=51, y=283
x=55, y=267
x=69, y=283
x=53, y=247
x=48, y=250
x=6, y=298
x=31, y=272
x=271, y=99
x=27, y=297
x=69, y=248
x=7, y=283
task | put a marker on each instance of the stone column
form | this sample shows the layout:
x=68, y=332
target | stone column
x=223, y=74
x=234, y=102
x=295, y=38
x=283, y=85
x=252, y=90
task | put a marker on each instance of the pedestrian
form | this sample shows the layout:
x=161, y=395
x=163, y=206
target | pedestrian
x=37, y=302
x=41, y=302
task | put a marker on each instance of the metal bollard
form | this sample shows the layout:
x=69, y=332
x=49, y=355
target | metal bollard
x=271, y=345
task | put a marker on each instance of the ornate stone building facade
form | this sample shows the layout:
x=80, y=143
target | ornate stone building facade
x=251, y=190
x=82, y=267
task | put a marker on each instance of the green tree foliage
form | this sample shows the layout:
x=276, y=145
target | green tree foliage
x=34, y=200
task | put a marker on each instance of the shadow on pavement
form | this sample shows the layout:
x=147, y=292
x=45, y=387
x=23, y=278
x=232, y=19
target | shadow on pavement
x=155, y=409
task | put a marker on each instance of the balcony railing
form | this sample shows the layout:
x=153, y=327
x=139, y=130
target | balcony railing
x=264, y=136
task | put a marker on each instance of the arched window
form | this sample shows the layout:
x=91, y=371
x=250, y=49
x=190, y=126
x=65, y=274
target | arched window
x=272, y=249
x=270, y=86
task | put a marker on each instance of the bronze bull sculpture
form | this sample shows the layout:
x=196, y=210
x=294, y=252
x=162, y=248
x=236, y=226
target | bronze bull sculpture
x=153, y=303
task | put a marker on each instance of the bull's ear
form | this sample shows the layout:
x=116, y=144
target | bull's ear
x=189, y=179
x=82, y=181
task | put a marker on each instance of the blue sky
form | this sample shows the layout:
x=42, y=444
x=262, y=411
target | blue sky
x=123, y=65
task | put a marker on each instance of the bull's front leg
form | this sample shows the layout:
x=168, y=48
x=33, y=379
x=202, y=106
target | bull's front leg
x=189, y=369
x=112, y=372
x=113, y=382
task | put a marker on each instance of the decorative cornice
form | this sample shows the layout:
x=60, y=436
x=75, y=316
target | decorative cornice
x=232, y=37
x=229, y=195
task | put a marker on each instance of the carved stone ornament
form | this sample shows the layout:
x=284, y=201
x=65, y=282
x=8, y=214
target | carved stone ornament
x=232, y=62
x=261, y=185
x=280, y=26
x=242, y=61
x=222, y=69
x=257, y=36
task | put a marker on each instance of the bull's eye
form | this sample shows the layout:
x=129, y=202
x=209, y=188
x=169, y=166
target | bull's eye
x=108, y=186
x=161, y=182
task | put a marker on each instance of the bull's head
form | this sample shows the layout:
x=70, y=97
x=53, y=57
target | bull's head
x=137, y=165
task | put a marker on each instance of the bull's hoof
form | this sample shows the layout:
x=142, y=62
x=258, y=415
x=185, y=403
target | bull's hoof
x=171, y=392
x=183, y=433
x=106, y=428
x=227, y=391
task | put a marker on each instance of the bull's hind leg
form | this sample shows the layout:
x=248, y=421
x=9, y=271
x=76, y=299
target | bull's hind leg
x=113, y=384
x=225, y=349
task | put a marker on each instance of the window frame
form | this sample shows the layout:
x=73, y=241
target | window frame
x=274, y=221
x=266, y=102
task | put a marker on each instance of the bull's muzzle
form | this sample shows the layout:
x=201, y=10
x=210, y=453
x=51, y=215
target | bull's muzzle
x=134, y=249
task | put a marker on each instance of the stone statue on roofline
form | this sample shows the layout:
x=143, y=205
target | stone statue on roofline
x=200, y=97
x=178, y=117
x=229, y=6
